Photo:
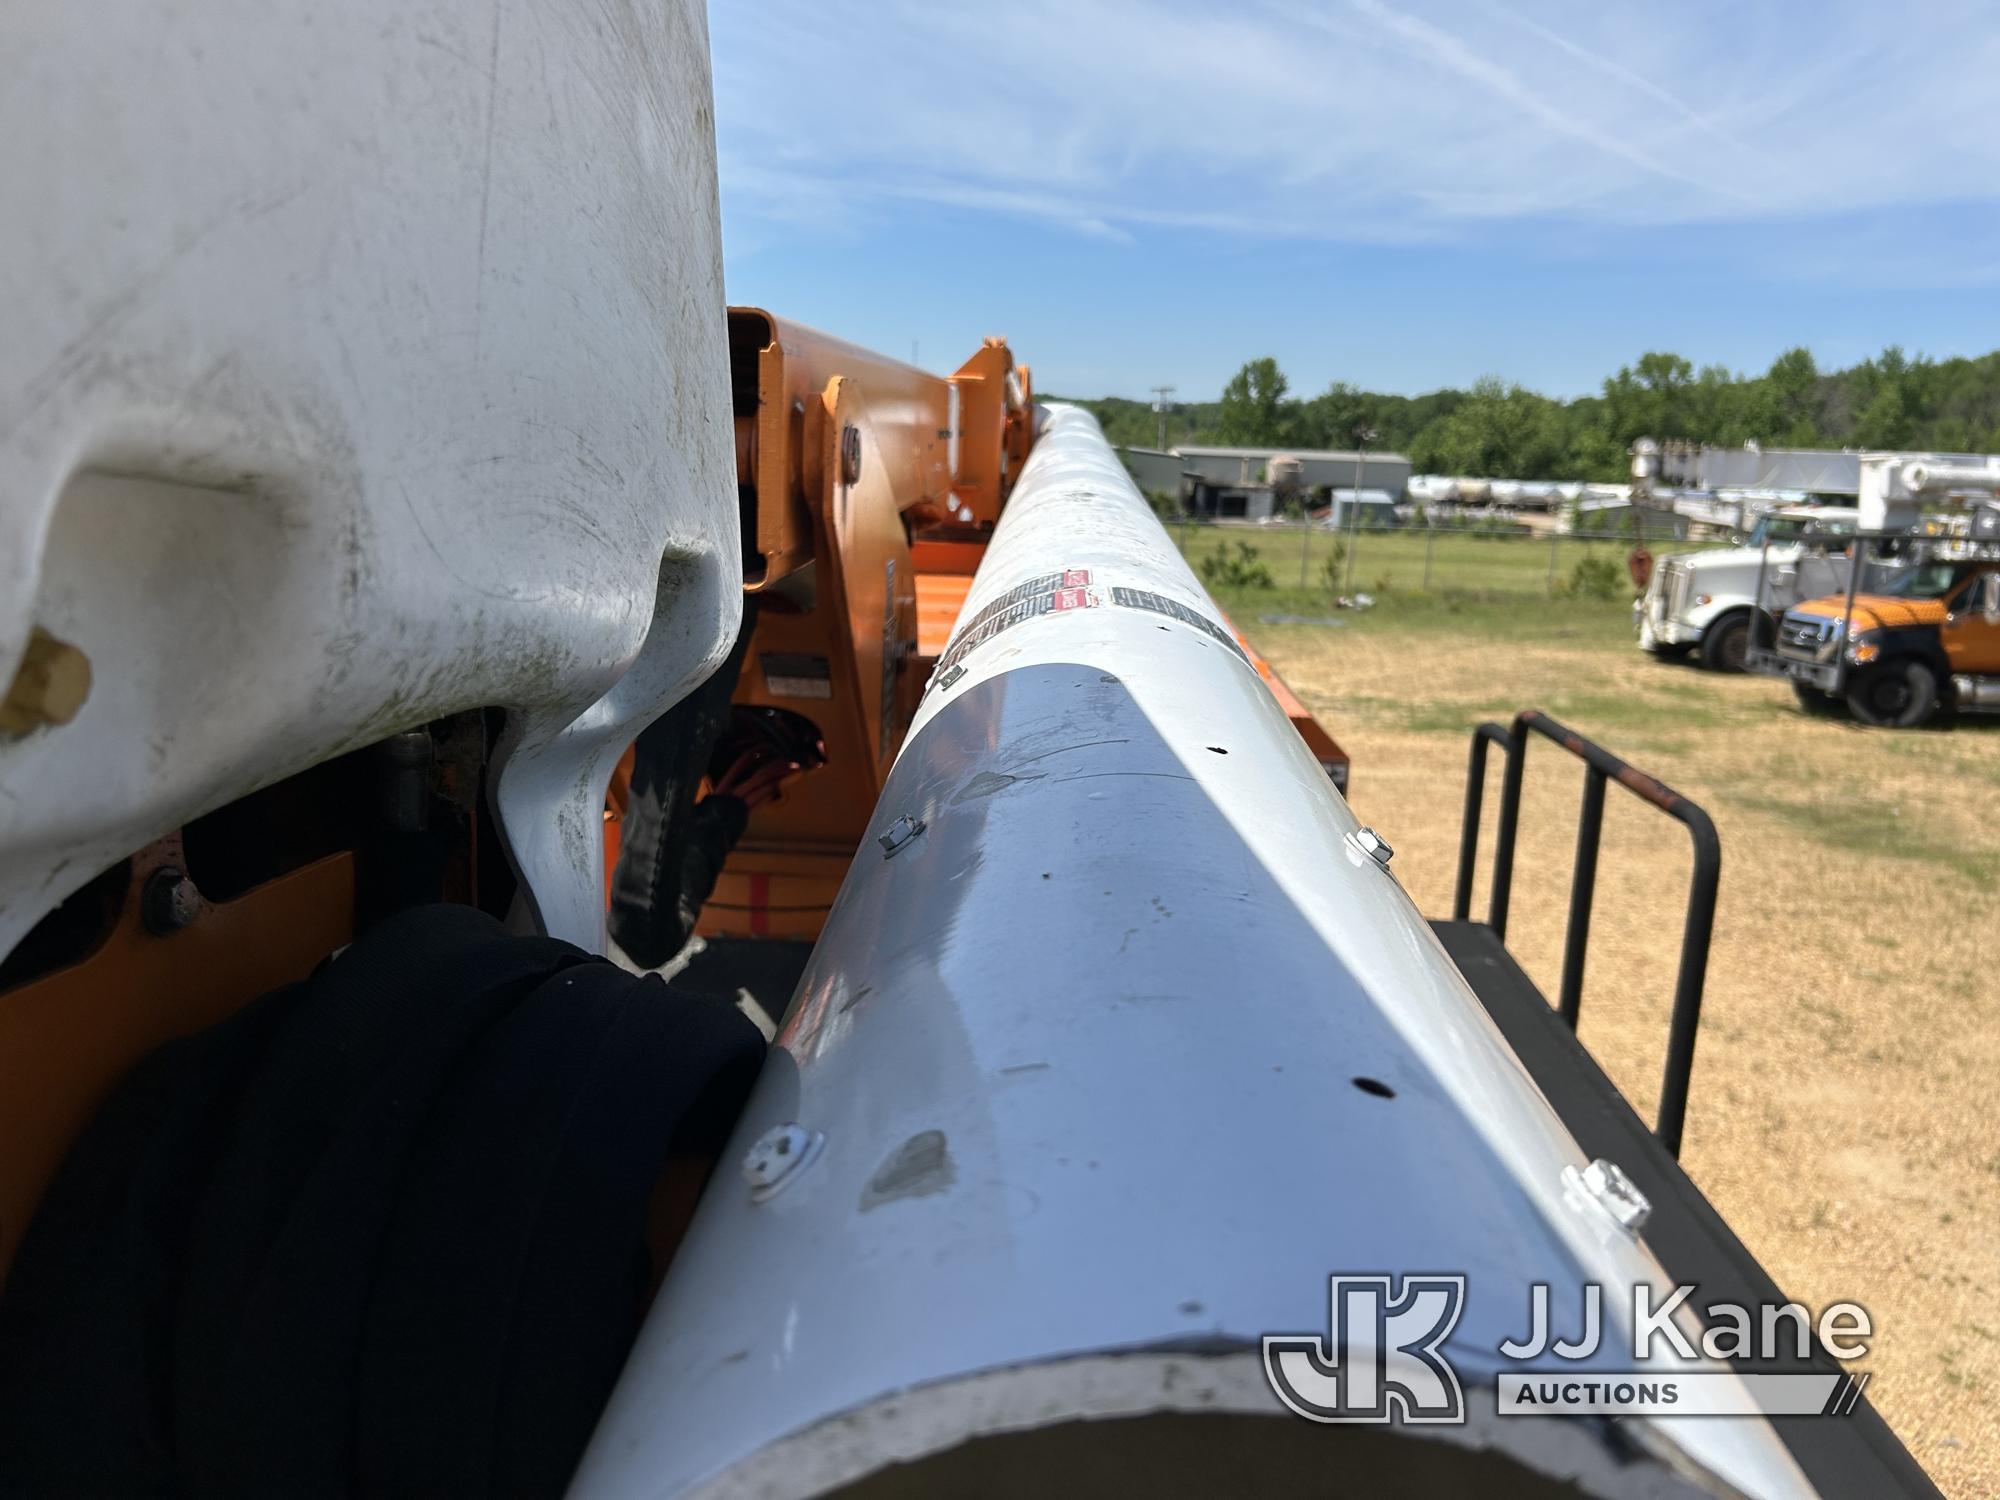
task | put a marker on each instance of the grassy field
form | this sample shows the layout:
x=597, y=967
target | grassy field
x=1843, y=1114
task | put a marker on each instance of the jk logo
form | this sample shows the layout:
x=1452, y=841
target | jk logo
x=1382, y=1363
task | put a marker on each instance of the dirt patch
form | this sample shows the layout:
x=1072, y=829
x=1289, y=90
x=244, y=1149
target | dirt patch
x=1843, y=1114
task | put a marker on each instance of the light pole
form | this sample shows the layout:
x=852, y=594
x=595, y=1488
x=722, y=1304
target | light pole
x=1363, y=436
x=1306, y=540
x=1160, y=405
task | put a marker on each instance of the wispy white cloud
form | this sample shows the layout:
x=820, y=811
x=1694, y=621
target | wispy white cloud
x=1623, y=76
x=1389, y=121
x=1433, y=45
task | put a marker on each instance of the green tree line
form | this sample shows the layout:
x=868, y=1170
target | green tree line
x=1500, y=429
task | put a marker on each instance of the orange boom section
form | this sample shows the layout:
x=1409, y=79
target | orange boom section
x=1326, y=750
x=849, y=466
x=868, y=492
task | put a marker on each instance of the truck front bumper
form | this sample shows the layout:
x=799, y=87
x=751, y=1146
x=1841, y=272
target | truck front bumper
x=1824, y=675
x=1655, y=631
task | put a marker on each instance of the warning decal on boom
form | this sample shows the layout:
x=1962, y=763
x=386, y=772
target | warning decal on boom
x=1159, y=604
x=1047, y=594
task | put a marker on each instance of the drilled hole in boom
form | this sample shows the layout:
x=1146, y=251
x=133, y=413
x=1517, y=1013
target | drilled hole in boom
x=1376, y=1087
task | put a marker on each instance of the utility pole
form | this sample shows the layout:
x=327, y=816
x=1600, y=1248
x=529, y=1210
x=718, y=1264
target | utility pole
x=1161, y=404
x=1363, y=436
x=1305, y=544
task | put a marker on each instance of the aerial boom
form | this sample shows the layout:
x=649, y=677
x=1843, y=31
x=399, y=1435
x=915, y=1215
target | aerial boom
x=1120, y=1035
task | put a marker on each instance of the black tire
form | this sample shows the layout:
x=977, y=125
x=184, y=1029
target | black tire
x=1814, y=702
x=1725, y=643
x=384, y=1232
x=1894, y=695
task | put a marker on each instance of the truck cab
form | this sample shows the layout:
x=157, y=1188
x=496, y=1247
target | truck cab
x=1702, y=601
x=1920, y=633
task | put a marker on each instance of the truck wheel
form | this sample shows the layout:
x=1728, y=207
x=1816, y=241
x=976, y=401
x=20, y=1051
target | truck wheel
x=1895, y=695
x=1725, y=644
x=1814, y=702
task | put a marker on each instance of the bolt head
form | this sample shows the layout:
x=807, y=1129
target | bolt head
x=49, y=686
x=1372, y=844
x=1614, y=1192
x=778, y=1156
x=168, y=902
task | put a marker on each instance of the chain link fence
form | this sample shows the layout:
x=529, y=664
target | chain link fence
x=1424, y=559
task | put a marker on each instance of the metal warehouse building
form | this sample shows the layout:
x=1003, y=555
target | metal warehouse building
x=1239, y=481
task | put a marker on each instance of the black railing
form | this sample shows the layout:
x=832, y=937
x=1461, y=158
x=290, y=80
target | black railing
x=1600, y=766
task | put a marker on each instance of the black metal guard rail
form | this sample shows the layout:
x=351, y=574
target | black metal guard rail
x=1600, y=766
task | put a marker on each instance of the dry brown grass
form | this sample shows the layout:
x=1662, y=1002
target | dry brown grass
x=1843, y=1114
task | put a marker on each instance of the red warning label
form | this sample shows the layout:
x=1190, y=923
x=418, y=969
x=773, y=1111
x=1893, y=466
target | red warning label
x=1050, y=593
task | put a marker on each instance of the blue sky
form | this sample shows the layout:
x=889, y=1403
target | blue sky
x=1401, y=194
